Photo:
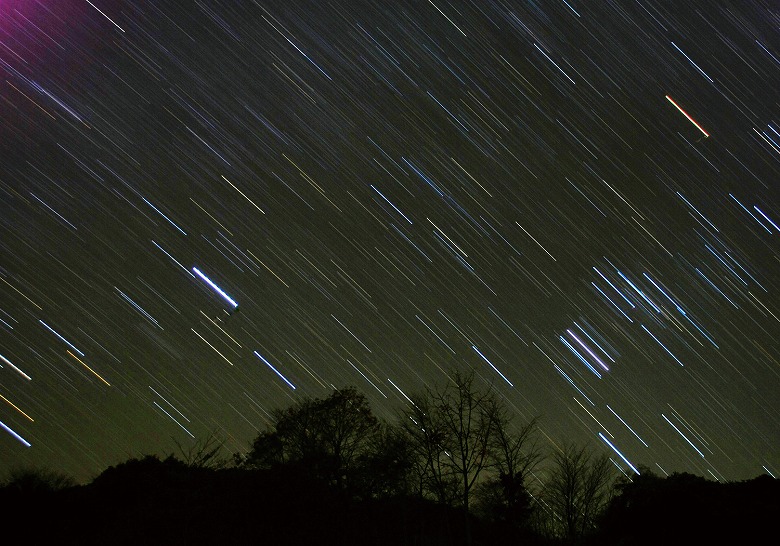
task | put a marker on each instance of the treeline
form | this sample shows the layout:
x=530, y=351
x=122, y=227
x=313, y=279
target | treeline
x=454, y=468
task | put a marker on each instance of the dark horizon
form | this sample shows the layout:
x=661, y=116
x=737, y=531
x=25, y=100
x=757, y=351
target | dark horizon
x=210, y=211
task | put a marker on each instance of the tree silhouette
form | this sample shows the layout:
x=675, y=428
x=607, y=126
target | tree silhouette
x=463, y=442
x=504, y=496
x=348, y=425
x=428, y=439
x=385, y=468
x=578, y=489
x=266, y=452
x=451, y=430
x=326, y=437
x=32, y=481
x=204, y=453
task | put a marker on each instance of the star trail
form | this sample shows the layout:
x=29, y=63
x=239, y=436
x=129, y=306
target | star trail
x=213, y=209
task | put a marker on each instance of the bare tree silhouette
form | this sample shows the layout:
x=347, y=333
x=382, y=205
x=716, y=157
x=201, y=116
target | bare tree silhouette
x=29, y=480
x=204, y=453
x=578, y=489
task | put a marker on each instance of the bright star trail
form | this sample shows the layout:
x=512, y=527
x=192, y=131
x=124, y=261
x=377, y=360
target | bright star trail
x=578, y=200
x=216, y=288
x=277, y=372
x=687, y=116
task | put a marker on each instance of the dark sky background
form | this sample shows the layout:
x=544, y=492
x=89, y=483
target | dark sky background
x=577, y=199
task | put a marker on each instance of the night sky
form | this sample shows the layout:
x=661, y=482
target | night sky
x=210, y=210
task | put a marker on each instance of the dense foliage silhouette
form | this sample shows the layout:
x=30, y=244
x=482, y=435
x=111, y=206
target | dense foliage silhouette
x=688, y=509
